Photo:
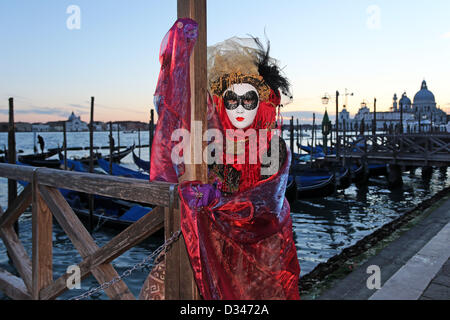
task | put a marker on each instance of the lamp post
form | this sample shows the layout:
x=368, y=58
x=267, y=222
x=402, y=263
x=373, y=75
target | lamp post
x=325, y=99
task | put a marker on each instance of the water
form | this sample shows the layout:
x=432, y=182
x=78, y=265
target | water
x=322, y=227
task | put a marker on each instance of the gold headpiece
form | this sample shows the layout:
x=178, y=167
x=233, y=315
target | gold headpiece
x=235, y=61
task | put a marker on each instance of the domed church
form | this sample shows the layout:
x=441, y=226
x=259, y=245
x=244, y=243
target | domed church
x=425, y=106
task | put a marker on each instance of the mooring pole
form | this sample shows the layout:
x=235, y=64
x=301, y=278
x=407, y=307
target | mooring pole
x=91, y=164
x=139, y=141
x=337, y=125
x=374, y=129
x=312, y=141
x=12, y=184
x=118, y=137
x=111, y=147
x=179, y=281
x=291, y=133
x=65, y=144
x=150, y=133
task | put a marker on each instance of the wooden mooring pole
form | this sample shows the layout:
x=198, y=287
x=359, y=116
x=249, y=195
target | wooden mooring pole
x=179, y=282
x=337, y=125
x=91, y=165
x=12, y=184
x=65, y=144
x=151, y=129
x=111, y=147
x=291, y=137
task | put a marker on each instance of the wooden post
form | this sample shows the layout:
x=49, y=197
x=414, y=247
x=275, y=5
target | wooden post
x=118, y=137
x=65, y=144
x=182, y=285
x=91, y=165
x=401, y=117
x=42, y=257
x=337, y=125
x=139, y=141
x=374, y=129
x=151, y=132
x=292, y=139
x=111, y=147
x=312, y=140
x=12, y=184
x=345, y=142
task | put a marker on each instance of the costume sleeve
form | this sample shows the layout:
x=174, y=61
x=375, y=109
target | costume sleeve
x=172, y=99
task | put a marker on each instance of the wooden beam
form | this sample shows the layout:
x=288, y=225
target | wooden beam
x=83, y=242
x=196, y=10
x=15, y=210
x=42, y=238
x=13, y=286
x=18, y=255
x=156, y=193
x=183, y=285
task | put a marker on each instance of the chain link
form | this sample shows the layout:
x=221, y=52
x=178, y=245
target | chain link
x=145, y=262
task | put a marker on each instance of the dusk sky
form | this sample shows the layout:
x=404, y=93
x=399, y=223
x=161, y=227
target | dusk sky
x=372, y=48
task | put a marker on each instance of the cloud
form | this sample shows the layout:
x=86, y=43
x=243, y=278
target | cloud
x=304, y=116
x=42, y=111
x=446, y=35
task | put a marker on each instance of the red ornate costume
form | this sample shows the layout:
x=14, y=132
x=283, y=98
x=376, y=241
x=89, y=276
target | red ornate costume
x=237, y=229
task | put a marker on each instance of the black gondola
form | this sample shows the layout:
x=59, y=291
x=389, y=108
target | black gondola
x=315, y=189
x=291, y=189
x=142, y=164
x=344, y=179
x=116, y=156
x=358, y=173
x=30, y=158
x=376, y=170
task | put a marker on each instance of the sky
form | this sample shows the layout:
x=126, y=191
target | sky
x=372, y=49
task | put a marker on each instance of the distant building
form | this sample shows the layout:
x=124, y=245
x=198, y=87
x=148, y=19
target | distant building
x=422, y=111
x=40, y=127
x=75, y=124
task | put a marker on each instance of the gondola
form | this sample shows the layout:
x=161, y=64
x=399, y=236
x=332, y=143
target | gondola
x=142, y=164
x=308, y=187
x=344, y=179
x=358, y=173
x=116, y=156
x=108, y=212
x=121, y=171
x=291, y=189
x=111, y=213
x=31, y=159
x=376, y=170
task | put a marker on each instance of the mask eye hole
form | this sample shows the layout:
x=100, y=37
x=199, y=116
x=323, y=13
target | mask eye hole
x=250, y=100
x=231, y=100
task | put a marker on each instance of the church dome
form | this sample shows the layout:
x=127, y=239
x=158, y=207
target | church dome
x=405, y=101
x=424, y=95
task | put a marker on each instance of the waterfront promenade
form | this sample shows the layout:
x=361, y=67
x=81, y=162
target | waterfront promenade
x=415, y=266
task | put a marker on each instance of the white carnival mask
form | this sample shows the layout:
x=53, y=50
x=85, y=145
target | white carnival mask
x=241, y=102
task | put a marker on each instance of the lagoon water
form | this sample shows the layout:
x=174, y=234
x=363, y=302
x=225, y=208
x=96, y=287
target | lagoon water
x=322, y=227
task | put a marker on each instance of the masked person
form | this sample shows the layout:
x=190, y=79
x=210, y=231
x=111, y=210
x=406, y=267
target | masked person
x=237, y=228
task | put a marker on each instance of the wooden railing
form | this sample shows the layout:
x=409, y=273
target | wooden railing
x=407, y=149
x=36, y=274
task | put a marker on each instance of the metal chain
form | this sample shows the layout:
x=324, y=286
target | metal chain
x=145, y=262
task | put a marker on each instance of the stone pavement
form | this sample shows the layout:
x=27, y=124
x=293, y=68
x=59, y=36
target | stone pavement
x=439, y=287
x=414, y=267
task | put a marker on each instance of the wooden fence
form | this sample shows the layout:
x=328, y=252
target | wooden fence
x=432, y=149
x=36, y=274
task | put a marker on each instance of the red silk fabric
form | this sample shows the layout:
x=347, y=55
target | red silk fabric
x=172, y=98
x=241, y=247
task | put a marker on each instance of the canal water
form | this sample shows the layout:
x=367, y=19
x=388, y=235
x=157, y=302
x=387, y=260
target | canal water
x=322, y=227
